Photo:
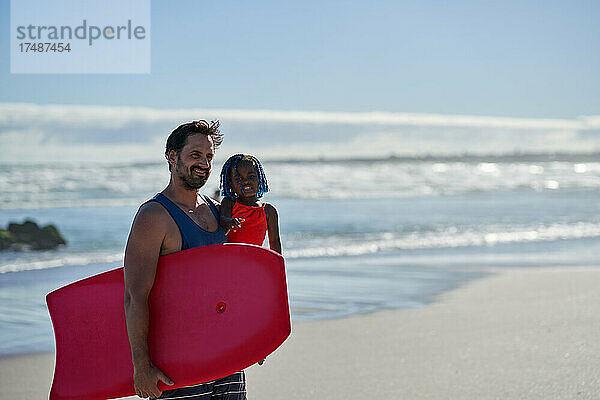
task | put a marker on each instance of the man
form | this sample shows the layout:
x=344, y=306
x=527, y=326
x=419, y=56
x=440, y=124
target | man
x=175, y=219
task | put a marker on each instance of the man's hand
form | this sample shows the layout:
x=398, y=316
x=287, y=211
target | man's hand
x=145, y=381
x=231, y=224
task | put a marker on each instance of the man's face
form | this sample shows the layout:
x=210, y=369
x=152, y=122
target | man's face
x=194, y=161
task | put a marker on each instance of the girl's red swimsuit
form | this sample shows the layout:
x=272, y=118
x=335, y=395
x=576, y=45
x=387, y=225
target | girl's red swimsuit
x=254, y=227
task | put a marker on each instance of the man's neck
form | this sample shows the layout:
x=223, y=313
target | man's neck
x=181, y=195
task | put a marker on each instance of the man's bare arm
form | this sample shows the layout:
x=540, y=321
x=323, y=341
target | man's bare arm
x=141, y=258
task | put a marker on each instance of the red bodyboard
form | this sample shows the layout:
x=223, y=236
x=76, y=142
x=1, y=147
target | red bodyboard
x=214, y=310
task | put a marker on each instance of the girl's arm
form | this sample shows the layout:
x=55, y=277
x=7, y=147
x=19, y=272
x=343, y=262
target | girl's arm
x=273, y=228
x=225, y=220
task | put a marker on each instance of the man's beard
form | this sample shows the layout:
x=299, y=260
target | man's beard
x=190, y=181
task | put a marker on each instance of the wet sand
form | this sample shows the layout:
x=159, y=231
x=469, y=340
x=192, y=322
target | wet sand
x=518, y=334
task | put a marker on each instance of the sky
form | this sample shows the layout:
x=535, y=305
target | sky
x=340, y=62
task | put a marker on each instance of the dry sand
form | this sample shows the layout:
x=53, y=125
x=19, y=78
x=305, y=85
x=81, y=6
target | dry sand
x=518, y=334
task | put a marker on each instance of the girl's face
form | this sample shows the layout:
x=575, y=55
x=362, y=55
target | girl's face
x=245, y=179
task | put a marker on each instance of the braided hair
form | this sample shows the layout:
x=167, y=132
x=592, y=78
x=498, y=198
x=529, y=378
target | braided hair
x=230, y=166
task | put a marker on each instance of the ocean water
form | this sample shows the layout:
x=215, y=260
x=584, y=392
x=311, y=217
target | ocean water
x=358, y=235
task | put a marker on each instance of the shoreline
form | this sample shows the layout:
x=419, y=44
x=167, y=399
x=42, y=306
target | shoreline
x=516, y=333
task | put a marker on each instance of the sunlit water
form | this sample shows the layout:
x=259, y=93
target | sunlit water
x=358, y=236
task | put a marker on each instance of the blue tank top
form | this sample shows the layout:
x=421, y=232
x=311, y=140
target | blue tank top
x=191, y=234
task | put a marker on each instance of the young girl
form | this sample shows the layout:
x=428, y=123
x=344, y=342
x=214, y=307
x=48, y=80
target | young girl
x=243, y=216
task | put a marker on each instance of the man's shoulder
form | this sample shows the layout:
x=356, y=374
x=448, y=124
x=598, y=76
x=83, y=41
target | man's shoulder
x=152, y=207
x=209, y=199
x=152, y=210
x=212, y=200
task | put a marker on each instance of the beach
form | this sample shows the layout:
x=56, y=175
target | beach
x=528, y=333
x=429, y=174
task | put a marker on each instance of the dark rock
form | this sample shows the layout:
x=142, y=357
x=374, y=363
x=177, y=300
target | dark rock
x=6, y=239
x=29, y=235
